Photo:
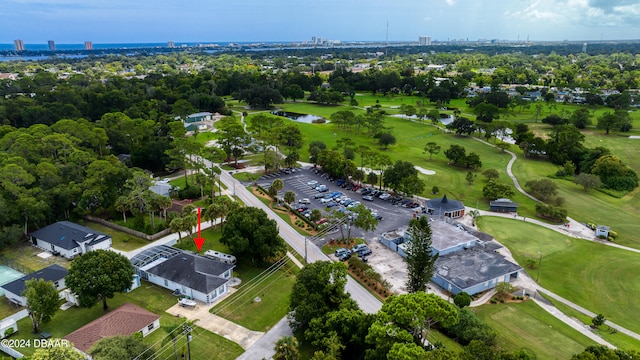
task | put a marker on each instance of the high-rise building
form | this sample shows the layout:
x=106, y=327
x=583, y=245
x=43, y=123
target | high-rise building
x=52, y=45
x=88, y=45
x=424, y=40
x=19, y=45
x=171, y=44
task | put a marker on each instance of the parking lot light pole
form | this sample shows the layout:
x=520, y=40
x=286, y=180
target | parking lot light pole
x=305, y=251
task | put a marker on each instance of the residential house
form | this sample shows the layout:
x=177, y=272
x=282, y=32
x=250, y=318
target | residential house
x=54, y=273
x=69, y=239
x=126, y=320
x=198, y=277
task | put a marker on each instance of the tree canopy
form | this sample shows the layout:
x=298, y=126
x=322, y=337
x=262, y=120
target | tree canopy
x=250, y=233
x=99, y=275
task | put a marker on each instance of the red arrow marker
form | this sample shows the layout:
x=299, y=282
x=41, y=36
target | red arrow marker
x=199, y=240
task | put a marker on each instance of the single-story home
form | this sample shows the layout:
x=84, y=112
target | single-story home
x=444, y=207
x=503, y=205
x=198, y=277
x=69, y=239
x=54, y=273
x=199, y=117
x=125, y=320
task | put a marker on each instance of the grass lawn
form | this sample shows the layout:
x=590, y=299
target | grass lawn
x=527, y=326
x=284, y=216
x=23, y=257
x=618, y=339
x=245, y=176
x=212, y=241
x=597, y=277
x=273, y=288
x=148, y=296
x=120, y=240
x=205, y=137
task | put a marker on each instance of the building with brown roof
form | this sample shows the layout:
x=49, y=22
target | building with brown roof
x=125, y=320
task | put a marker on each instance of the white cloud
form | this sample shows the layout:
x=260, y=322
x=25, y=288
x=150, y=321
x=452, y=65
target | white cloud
x=451, y=2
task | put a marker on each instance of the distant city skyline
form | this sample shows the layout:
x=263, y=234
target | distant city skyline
x=124, y=21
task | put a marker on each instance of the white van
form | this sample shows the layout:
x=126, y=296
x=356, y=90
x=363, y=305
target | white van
x=222, y=257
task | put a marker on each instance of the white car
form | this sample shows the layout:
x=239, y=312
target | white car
x=385, y=196
x=325, y=200
x=304, y=201
x=312, y=183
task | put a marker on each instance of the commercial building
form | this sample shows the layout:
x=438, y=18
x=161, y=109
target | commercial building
x=88, y=45
x=424, y=40
x=52, y=45
x=467, y=259
x=19, y=44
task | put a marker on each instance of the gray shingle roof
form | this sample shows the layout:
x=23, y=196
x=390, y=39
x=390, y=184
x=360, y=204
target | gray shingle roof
x=52, y=273
x=193, y=271
x=68, y=235
x=470, y=267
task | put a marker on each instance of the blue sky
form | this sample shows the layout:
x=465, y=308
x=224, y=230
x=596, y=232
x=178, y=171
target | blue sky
x=116, y=21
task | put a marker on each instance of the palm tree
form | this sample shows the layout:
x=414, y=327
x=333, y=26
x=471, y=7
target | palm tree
x=289, y=197
x=177, y=225
x=286, y=349
x=163, y=204
x=474, y=215
x=276, y=186
x=122, y=205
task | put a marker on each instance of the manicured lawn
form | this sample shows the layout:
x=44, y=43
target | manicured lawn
x=527, y=326
x=204, y=344
x=120, y=240
x=597, y=277
x=618, y=339
x=273, y=289
x=212, y=241
x=245, y=176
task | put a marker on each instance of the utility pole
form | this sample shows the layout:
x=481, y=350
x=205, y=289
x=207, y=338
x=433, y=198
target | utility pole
x=305, y=251
x=187, y=330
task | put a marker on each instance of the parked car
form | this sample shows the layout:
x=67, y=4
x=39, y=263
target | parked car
x=304, y=201
x=322, y=221
x=359, y=247
x=342, y=251
x=364, y=252
x=326, y=199
x=319, y=196
x=367, y=197
x=322, y=188
x=345, y=257
x=312, y=183
x=332, y=204
x=385, y=196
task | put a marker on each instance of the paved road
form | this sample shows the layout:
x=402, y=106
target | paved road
x=265, y=346
x=367, y=302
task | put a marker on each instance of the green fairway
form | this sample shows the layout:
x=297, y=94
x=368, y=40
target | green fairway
x=597, y=277
x=527, y=326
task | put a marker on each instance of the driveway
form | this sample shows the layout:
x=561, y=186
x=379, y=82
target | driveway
x=225, y=328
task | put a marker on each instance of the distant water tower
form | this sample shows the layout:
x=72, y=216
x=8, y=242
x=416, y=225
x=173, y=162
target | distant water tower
x=584, y=48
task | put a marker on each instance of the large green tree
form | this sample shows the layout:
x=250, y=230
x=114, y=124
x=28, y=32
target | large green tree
x=120, y=348
x=319, y=289
x=250, y=233
x=420, y=257
x=99, y=275
x=57, y=353
x=408, y=318
x=42, y=301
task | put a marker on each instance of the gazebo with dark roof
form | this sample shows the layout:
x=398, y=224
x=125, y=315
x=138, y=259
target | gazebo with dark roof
x=445, y=207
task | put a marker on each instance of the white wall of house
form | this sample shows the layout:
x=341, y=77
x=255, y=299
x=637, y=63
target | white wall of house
x=193, y=294
x=104, y=245
x=150, y=328
x=21, y=300
x=69, y=254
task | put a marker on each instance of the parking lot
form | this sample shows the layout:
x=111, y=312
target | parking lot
x=393, y=216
